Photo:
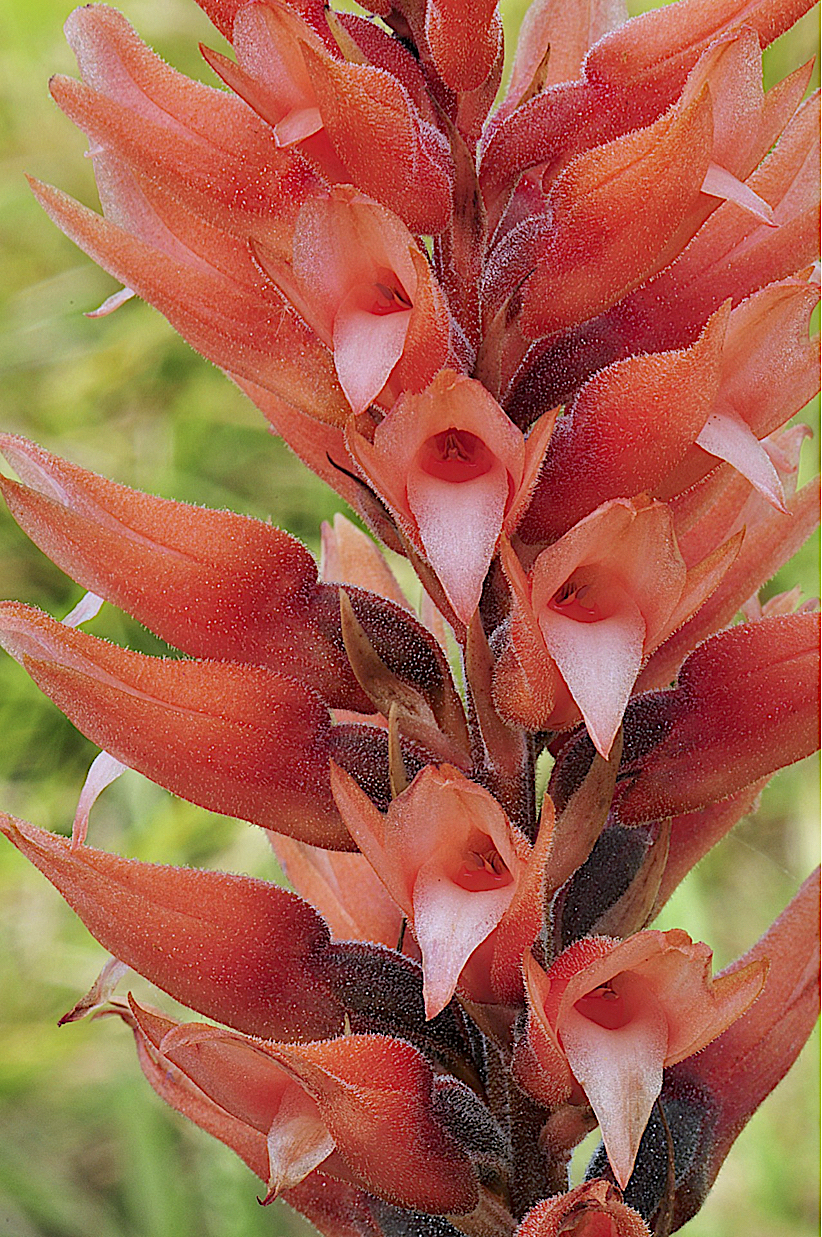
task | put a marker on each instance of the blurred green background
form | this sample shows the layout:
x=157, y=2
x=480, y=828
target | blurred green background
x=86, y=1147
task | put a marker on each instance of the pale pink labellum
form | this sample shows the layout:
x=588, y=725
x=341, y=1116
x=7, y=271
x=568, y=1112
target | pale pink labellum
x=598, y=654
x=443, y=506
x=616, y=1055
x=371, y=322
x=728, y=437
x=110, y=304
x=456, y=906
x=298, y=1142
x=720, y=183
x=104, y=770
x=100, y=992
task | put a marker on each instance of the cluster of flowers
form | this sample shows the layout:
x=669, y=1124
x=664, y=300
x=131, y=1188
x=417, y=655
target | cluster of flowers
x=548, y=353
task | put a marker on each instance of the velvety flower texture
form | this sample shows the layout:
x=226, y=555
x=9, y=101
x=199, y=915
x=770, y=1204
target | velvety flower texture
x=545, y=341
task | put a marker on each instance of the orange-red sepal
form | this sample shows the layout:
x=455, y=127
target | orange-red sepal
x=233, y=738
x=242, y=325
x=212, y=583
x=464, y=38
x=405, y=165
x=613, y=210
x=746, y=704
x=364, y=1084
x=628, y=427
x=231, y=947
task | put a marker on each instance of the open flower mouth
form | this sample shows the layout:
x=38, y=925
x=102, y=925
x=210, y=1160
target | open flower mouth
x=455, y=456
x=483, y=868
x=386, y=295
x=589, y=595
x=576, y=601
x=613, y=1005
x=379, y=294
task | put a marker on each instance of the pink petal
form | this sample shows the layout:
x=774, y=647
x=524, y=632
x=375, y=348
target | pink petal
x=720, y=183
x=344, y=889
x=727, y=436
x=620, y=1071
x=110, y=304
x=348, y=556
x=103, y=771
x=449, y=924
x=599, y=662
x=459, y=524
x=87, y=608
x=297, y=125
x=367, y=346
x=298, y=1142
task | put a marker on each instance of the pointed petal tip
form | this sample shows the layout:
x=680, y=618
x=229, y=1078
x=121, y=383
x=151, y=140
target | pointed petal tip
x=435, y=1000
x=103, y=771
x=727, y=436
x=87, y=608
x=601, y=737
x=110, y=304
x=720, y=183
x=14, y=829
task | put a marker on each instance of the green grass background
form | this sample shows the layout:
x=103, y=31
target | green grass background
x=85, y=1146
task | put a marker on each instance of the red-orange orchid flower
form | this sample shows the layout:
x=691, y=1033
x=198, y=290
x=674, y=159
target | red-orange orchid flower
x=324, y=1104
x=212, y=583
x=609, y=1015
x=235, y=738
x=772, y=324
x=359, y=279
x=471, y=893
x=456, y=473
x=593, y=606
